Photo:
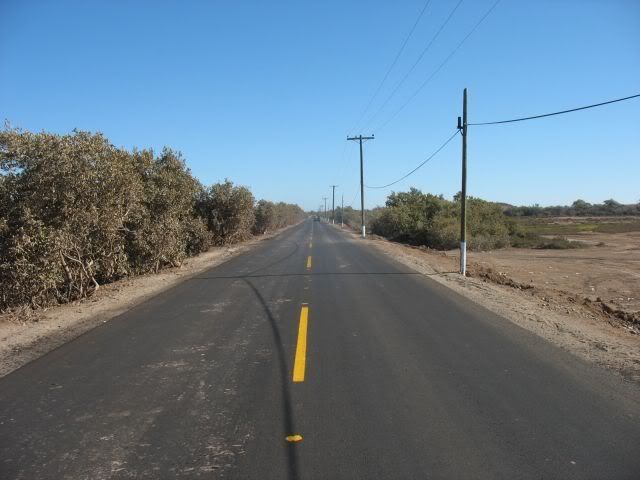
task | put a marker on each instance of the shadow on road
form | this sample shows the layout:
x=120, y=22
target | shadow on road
x=289, y=424
x=296, y=247
x=266, y=275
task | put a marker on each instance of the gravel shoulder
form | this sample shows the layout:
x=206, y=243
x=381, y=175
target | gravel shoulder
x=29, y=335
x=552, y=310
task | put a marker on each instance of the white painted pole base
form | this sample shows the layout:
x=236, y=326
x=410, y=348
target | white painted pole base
x=463, y=258
x=364, y=233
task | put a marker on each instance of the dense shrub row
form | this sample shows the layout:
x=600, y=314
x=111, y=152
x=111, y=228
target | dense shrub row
x=269, y=215
x=423, y=219
x=77, y=212
x=351, y=217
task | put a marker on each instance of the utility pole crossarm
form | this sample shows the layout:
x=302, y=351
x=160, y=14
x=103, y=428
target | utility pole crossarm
x=360, y=137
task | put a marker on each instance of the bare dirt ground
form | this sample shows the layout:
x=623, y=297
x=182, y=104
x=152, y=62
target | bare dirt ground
x=607, y=275
x=586, y=300
x=29, y=335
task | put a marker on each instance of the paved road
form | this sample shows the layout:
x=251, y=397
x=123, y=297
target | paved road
x=400, y=378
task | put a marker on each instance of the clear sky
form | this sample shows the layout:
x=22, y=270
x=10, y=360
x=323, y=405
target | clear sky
x=264, y=92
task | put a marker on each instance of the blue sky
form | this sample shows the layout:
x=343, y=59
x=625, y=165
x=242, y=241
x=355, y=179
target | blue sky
x=265, y=92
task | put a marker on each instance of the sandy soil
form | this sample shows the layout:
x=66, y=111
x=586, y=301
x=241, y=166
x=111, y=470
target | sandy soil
x=27, y=336
x=610, y=272
x=552, y=293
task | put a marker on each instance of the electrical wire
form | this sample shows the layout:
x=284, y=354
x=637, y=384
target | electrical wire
x=435, y=72
x=556, y=113
x=420, y=165
x=393, y=64
x=415, y=64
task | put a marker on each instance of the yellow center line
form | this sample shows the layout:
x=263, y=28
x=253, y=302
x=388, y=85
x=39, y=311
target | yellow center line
x=309, y=262
x=300, y=361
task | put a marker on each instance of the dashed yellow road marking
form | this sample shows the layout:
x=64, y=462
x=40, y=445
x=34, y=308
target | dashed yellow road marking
x=309, y=262
x=293, y=438
x=300, y=361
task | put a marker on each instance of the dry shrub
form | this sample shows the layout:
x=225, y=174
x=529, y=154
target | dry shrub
x=271, y=216
x=228, y=210
x=167, y=229
x=65, y=200
x=77, y=212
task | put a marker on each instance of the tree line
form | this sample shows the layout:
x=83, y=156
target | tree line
x=77, y=212
x=579, y=208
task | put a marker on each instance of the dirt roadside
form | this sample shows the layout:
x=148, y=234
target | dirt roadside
x=24, y=338
x=559, y=307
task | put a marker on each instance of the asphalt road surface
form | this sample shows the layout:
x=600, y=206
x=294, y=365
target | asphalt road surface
x=375, y=370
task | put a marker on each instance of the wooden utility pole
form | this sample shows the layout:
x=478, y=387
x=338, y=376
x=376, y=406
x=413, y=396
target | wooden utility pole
x=462, y=126
x=342, y=212
x=333, y=204
x=360, y=138
x=325, y=208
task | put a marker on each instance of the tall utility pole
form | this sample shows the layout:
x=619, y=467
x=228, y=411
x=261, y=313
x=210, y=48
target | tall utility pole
x=333, y=204
x=462, y=126
x=360, y=138
x=325, y=208
x=342, y=212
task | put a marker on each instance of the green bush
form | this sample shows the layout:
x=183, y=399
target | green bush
x=425, y=219
x=352, y=217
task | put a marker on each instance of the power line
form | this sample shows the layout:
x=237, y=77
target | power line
x=415, y=64
x=557, y=113
x=444, y=62
x=393, y=64
x=419, y=166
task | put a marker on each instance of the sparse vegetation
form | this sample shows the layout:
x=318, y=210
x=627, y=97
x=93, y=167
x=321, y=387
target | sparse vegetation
x=533, y=240
x=77, y=212
x=573, y=226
